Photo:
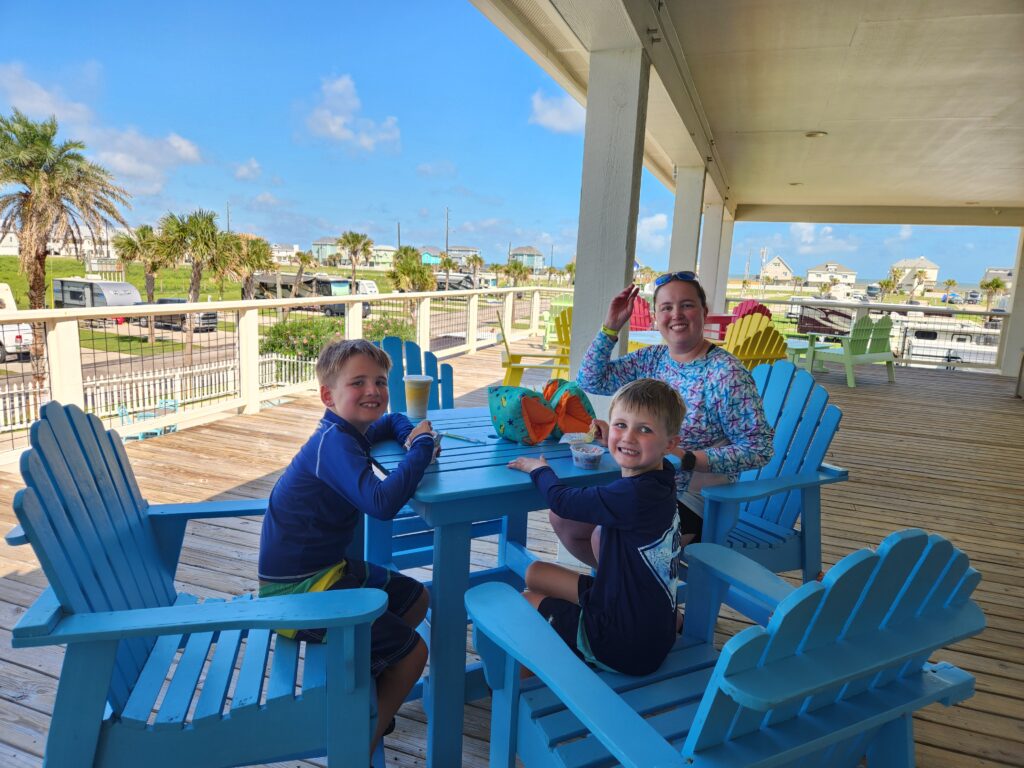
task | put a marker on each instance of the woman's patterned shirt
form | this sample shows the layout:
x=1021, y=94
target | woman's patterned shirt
x=722, y=403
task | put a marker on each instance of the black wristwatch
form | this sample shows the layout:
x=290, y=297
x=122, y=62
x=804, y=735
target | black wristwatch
x=689, y=461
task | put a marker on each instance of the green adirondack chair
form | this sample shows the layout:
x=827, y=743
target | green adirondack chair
x=868, y=342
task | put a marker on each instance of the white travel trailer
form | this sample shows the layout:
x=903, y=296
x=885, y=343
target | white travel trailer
x=949, y=340
x=78, y=292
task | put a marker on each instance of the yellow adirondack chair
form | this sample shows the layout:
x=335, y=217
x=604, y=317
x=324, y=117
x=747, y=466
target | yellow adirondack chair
x=765, y=346
x=743, y=328
x=514, y=366
x=868, y=342
x=563, y=332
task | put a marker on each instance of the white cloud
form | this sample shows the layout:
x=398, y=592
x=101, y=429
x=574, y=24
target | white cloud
x=248, y=170
x=561, y=114
x=139, y=162
x=482, y=225
x=265, y=199
x=810, y=240
x=336, y=117
x=651, y=232
x=36, y=101
x=439, y=168
x=906, y=231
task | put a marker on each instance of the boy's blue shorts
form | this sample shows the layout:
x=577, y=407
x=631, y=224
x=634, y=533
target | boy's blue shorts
x=391, y=639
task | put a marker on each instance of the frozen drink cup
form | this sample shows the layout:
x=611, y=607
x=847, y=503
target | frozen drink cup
x=417, y=395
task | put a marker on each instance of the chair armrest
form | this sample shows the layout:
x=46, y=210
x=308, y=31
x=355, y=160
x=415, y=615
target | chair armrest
x=738, y=571
x=339, y=608
x=16, y=537
x=501, y=613
x=751, y=490
x=208, y=509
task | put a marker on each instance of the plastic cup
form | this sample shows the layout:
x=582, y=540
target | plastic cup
x=586, y=455
x=417, y=395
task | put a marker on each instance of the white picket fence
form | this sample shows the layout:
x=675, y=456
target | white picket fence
x=141, y=391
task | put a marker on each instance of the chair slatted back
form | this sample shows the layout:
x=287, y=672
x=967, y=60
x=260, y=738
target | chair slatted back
x=860, y=336
x=873, y=621
x=804, y=422
x=641, y=319
x=742, y=329
x=764, y=346
x=407, y=357
x=563, y=329
x=86, y=520
x=750, y=307
x=880, y=333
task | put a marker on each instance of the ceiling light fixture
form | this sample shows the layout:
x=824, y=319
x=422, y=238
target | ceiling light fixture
x=795, y=183
x=815, y=134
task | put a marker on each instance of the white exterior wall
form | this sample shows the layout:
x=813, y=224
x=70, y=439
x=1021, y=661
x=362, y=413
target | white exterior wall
x=824, y=278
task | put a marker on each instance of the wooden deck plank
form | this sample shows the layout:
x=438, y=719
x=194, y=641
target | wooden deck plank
x=942, y=450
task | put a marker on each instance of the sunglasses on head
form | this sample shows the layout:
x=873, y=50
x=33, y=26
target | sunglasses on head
x=686, y=277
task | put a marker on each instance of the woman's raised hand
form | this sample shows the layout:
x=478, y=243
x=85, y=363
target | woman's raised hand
x=621, y=307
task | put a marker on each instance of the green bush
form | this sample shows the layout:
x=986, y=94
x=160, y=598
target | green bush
x=303, y=337
x=378, y=328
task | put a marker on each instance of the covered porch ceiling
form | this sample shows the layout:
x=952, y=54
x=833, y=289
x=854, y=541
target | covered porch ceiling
x=921, y=101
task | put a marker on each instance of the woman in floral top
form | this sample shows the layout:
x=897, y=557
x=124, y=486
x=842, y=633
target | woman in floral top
x=724, y=431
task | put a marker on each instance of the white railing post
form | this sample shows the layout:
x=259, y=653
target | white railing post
x=535, y=312
x=507, y=315
x=64, y=360
x=423, y=324
x=249, y=359
x=354, y=320
x=472, y=321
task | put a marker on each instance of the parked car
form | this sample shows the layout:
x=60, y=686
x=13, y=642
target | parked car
x=203, y=321
x=15, y=338
x=974, y=297
x=366, y=286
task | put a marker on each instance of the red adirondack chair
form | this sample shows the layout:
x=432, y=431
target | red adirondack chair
x=641, y=319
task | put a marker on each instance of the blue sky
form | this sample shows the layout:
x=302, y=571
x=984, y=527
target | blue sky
x=311, y=119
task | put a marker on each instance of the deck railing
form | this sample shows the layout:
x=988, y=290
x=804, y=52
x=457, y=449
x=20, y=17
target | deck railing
x=126, y=359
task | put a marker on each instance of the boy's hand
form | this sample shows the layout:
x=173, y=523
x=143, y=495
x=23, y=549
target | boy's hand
x=601, y=431
x=423, y=428
x=526, y=464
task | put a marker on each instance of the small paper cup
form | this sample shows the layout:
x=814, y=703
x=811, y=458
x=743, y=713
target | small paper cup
x=586, y=455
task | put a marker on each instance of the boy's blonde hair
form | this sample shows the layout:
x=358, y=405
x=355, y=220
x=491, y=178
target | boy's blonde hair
x=339, y=351
x=655, y=397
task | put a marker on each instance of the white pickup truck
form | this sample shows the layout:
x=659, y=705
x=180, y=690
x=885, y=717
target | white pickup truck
x=15, y=338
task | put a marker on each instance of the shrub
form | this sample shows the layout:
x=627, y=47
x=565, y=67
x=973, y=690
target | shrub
x=379, y=327
x=304, y=337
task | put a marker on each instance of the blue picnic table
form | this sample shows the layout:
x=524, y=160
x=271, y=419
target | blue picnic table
x=469, y=483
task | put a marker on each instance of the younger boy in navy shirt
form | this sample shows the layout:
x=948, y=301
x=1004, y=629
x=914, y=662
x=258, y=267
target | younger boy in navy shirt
x=316, y=505
x=623, y=618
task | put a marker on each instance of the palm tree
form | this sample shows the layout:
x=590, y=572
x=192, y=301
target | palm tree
x=570, y=269
x=475, y=263
x=949, y=285
x=885, y=287
x=142, y=246
x=447, y=264
x=253, y=256
x=516, y=271
x=643, y=276
x=358, y=247
x=797, y=281
x=57, y=192
x=410, y=274
x=992, y=288
x=192, y=236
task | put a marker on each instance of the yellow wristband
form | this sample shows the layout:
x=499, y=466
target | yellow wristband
x=610, y=332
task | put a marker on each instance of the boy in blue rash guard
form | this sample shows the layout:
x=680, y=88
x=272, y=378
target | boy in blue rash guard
x=315, y=506
x=623, y=618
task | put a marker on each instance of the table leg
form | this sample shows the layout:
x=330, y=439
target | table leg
x=445, y=691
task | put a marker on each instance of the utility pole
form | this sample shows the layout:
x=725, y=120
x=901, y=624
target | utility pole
x=398, y=225
x=229, y=216
x=446, y=230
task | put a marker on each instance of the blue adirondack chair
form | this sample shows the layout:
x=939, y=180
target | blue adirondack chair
x=231, y=692
x=836, y=675
x=407, y=357
x=773, y=514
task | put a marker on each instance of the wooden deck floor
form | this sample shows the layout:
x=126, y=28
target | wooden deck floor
x=940, y=450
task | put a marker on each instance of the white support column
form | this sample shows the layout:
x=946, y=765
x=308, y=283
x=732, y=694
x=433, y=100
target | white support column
x=354, y=320
x=716, y=300
x=1013, y=326
x=249, y=359
x=535, y=312
x=609, y=201
x=423, y=325
x=710, y=242
x=682, y=253
x=507, y=316
x=472, y=321
x=64, y=360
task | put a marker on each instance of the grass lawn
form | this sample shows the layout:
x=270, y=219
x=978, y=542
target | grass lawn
x=223, y=325
x=90, y=338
